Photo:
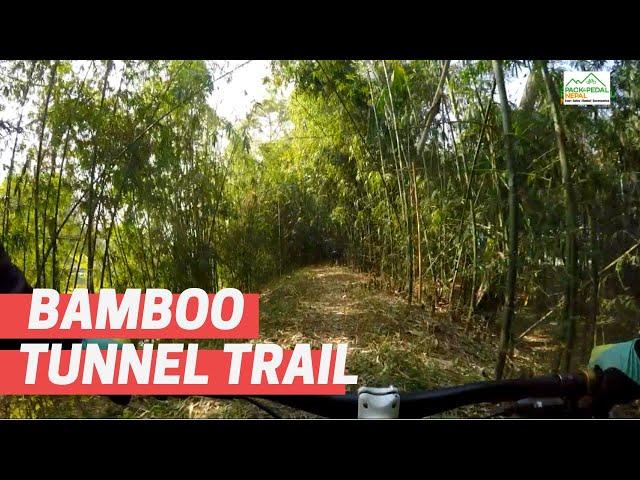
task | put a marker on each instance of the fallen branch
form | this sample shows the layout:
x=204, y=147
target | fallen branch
x=616, y=261
x=541, y=320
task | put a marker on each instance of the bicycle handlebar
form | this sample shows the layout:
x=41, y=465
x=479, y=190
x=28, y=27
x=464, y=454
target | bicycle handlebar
x=425, y=403
x=430, y=402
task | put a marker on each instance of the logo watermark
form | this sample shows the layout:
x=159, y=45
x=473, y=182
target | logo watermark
x=586, y=88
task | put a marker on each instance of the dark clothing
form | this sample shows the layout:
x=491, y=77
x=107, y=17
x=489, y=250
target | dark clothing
x=12, y=280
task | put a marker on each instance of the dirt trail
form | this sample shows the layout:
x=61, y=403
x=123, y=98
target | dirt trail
x=389, y=344
x=328, y=304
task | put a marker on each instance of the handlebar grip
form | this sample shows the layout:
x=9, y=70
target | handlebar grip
x=614, y=388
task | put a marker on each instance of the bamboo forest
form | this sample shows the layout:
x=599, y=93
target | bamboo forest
x=452, y=220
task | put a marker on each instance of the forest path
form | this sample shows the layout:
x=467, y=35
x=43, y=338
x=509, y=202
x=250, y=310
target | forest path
x=388, y=342
x=327, y=303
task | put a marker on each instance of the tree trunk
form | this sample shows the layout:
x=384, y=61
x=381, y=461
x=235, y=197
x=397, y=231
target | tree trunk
x=36, y=188
x=510, y=290
x=73, y=257
x=418, y=243
x=595, y=281
x=54, y=240
x=571, y=265
x=90, y=199
x=106, y=260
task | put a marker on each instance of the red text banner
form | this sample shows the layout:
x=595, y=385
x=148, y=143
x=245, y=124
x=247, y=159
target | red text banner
x=105, y=315
x=192, y=372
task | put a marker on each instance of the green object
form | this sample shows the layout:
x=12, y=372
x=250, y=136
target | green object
x=103, y=342
x=621, y=356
